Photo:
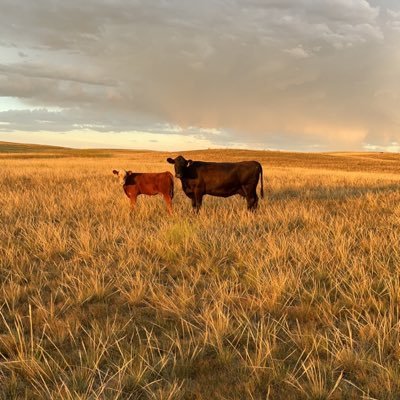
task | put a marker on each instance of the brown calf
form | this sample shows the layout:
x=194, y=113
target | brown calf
x=151, y=184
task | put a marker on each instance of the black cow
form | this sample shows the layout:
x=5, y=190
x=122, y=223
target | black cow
x=219, y=179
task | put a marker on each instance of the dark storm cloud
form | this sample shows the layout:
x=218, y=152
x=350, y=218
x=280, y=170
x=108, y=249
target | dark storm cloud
x=275, y=72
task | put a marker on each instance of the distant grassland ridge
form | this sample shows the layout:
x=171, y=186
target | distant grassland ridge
x=347, y=161
x=298, y=301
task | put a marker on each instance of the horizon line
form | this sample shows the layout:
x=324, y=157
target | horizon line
x=187, y=151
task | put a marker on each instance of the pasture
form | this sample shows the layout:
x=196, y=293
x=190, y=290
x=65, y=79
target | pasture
x=299, y=300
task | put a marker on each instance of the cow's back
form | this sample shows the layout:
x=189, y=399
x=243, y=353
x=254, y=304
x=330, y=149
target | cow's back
x=239, y=172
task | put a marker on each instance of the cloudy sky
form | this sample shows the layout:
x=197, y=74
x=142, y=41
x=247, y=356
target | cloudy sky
x=306, y=75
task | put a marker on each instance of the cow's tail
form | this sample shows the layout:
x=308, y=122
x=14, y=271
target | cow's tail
x=171, y=188
x=262, y=183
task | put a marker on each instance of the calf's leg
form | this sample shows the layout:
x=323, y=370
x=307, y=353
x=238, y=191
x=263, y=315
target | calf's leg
x=132, y=199
x=168, y=202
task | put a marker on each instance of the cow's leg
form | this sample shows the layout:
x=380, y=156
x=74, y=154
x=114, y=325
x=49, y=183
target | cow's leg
x=252, y=202
x=168, y=201
x=242, y=191
x=198, y=196
x=193, y=200
x=252, y=199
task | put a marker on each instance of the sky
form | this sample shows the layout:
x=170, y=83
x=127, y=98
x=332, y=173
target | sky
x=298, y=75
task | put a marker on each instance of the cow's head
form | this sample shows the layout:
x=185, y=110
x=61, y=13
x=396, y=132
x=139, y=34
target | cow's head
x=121, y=175
x=180, y=163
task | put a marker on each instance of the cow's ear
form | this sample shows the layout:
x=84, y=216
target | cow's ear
x=115, y=172
x=189, y=163
x=171, y=160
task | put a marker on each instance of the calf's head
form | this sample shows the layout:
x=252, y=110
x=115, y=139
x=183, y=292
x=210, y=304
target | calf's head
x=121, y=175
x=180, y=164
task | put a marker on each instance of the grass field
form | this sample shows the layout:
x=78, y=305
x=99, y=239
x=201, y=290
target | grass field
x=297, y=301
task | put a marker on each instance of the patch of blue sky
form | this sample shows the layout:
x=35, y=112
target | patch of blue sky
x=8, y=103
x=12, y=103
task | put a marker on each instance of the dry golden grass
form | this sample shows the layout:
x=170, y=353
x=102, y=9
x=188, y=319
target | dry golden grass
x=297, y=301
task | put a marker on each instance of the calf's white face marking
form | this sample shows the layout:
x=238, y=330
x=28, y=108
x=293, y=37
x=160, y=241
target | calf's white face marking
x=121, y=176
